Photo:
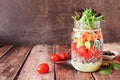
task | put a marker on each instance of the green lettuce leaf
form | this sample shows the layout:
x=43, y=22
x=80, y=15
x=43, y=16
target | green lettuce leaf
x=116, y=66
x=88, y=19
x=106, y=71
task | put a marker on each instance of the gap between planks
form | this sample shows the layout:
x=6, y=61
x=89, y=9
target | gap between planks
x=54, y=50
x=11, y=62
x=4, y=50
x=22, y=64
x=39, y=54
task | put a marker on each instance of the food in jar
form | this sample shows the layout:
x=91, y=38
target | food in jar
x=87, y=40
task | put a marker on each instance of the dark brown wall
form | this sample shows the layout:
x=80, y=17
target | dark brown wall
x=49, y=21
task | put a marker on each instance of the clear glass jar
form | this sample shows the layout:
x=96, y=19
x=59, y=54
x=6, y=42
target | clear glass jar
x=86, y=49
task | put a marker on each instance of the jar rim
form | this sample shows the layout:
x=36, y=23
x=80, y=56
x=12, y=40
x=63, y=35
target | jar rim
x=78, y=29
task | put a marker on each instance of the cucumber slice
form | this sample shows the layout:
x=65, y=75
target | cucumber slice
x=79, y=44
x=88, y=44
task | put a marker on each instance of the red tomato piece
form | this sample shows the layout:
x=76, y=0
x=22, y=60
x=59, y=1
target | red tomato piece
x=43, y=68
x=82, y=51
x=87, y=56
x=94, y=52
x=63, y=55
x=55, y=57
x=73, y=46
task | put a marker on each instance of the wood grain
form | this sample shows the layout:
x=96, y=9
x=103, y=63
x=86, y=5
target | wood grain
x=114, y=76
x=4, y=49
x=112, y=46
x=11, y=62
x=66, y=71
x=39, y=54
x=20, y=63
x=63, y=48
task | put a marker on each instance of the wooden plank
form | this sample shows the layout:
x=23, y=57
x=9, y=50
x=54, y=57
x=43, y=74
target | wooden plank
x=4, y=49
x=114, y=75
x=39, y=54
x=64, y=72
x=10, y=63
x=67, y=72
x=112, y=46
x=63, y=48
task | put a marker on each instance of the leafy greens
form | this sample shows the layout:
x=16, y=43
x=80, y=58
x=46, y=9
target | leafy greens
x=88, y=18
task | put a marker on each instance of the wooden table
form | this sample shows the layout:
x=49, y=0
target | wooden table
x=20, y=63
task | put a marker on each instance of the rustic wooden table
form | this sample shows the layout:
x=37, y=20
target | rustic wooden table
x=19, y=63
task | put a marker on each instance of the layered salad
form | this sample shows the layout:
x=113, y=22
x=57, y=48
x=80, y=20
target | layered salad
x=87, y=40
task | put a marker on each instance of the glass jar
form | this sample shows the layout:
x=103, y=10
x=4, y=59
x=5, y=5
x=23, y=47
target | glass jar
x=86, y=49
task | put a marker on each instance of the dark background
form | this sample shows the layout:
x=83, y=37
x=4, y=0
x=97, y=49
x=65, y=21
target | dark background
x=49, y=21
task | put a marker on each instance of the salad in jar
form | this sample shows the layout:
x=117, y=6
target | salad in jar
x=87, y=40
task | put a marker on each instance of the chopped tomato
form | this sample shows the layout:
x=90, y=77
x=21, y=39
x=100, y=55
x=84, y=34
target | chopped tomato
x=73, y=46
x=81, y=51
x=93, y=51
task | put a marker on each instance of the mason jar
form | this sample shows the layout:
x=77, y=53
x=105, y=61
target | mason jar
x=86, y=49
